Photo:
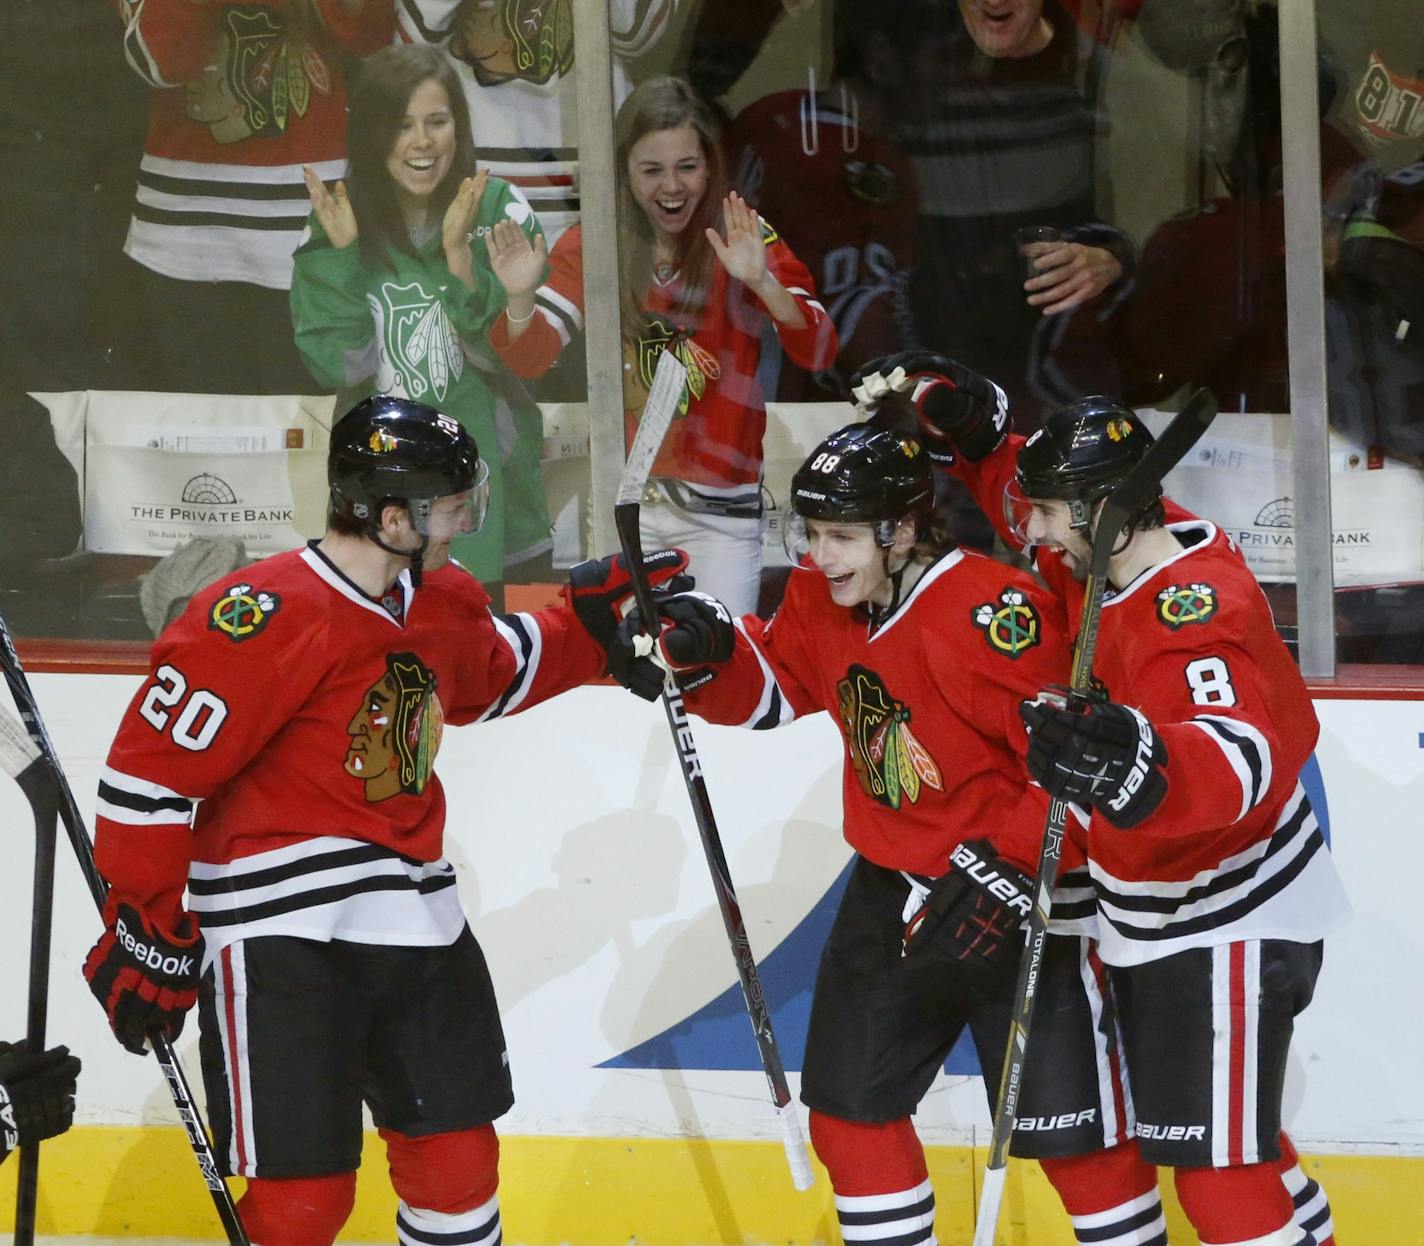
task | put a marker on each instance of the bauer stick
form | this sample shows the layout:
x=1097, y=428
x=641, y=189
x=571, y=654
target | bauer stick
x=68, y=812
x=1132, y=493
x=657, y=415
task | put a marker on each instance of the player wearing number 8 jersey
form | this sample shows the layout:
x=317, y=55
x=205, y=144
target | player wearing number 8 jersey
x=278, y=763
x=1213, y=879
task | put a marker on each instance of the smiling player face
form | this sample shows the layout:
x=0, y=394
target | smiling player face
x=853, y=564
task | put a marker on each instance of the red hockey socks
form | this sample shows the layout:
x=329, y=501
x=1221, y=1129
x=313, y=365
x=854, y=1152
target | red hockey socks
x=297, y=1211
x=447, y=1185
x=1111, y=1196
x=1244, y=1206
x=881, y=1184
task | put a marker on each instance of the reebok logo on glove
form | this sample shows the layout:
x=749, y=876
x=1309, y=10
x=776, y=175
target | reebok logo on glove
x=997, y=884
x=149, y=956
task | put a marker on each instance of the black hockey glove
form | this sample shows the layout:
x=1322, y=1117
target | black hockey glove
x=959, y=411
x=1105, y=755
x=36, y=1094
x=697, y=636
x=601, y=594
x=974, y=912
x=145, y=980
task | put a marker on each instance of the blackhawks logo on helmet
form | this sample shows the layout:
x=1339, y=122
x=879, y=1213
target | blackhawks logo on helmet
x=242, y=612
x=1011, y=625
x=890, y=764
x=1180, y=604
x=1118, y=430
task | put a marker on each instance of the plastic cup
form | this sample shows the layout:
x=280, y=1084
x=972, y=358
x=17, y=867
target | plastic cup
x=1032, y=241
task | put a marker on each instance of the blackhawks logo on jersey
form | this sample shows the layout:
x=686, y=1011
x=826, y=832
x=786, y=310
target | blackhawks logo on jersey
x=242, y=612
x=1180, y=604
x=395, y=733
x=1011, y=625
x=421, y=355
x=701, y=365
x=889, y=762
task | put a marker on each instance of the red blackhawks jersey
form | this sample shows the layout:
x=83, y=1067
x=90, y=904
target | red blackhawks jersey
x=715, y=443
x=241, y=102
x=927, y=704
x=1234, y=850
x=279, y=758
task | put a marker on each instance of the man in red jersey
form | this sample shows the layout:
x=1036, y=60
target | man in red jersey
x=278, y=763
x=1214, y=883
x=921, y=652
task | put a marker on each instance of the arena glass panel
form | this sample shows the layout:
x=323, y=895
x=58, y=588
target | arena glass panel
x=168, y=396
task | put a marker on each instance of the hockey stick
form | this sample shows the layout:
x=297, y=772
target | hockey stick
x=73, y=821
x=20, y=759
x=657, y=415
x=1133, y=492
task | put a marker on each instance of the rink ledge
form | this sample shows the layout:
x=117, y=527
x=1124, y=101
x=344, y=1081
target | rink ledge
x=143, y=1184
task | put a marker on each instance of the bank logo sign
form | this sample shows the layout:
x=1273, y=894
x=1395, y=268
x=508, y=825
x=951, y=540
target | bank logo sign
x=1269, y=540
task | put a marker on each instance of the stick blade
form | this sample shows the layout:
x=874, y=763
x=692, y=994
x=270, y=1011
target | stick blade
x=18, y=752
x=658, y=410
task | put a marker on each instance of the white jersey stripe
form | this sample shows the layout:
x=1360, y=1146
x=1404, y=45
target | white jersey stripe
x=1247, y=753
x=1251, y=989
x=1104, y=1052
x=773, y=708
x=1222, y=1039
x=526, y=642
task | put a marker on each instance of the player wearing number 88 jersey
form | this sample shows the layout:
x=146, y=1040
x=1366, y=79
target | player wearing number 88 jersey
x=1213, y=879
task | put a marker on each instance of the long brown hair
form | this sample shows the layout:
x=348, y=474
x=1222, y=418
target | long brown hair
x=379, y=101
x=666, y=104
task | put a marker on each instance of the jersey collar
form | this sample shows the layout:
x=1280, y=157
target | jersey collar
x=931, y=573
x=1203, y=532
x=327, y=571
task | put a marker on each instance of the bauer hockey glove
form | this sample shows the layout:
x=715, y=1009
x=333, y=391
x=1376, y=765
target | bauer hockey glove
x=36, y=1094
x=697, y=636
x=972, y=914
x=959, y=411
x=601, y=594
x=145, y=980
x=1105, y=755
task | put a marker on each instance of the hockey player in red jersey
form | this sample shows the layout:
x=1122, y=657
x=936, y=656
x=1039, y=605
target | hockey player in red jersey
x=922, y=652
x=278, y=763
x=1214, y=883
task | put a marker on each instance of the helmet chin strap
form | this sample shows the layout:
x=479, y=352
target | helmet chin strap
x=416, y=556
x=896, y=578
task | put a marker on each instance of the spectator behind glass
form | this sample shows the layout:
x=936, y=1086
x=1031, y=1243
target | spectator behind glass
x=245, y=95
x=839, y=187
x=1008, y=143
x=707, y=296
x=393, y=291
x=516, y=65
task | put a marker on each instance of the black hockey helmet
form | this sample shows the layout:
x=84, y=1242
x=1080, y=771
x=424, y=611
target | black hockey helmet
x=1082, y=451
x=860, y=474
x=389, y=449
